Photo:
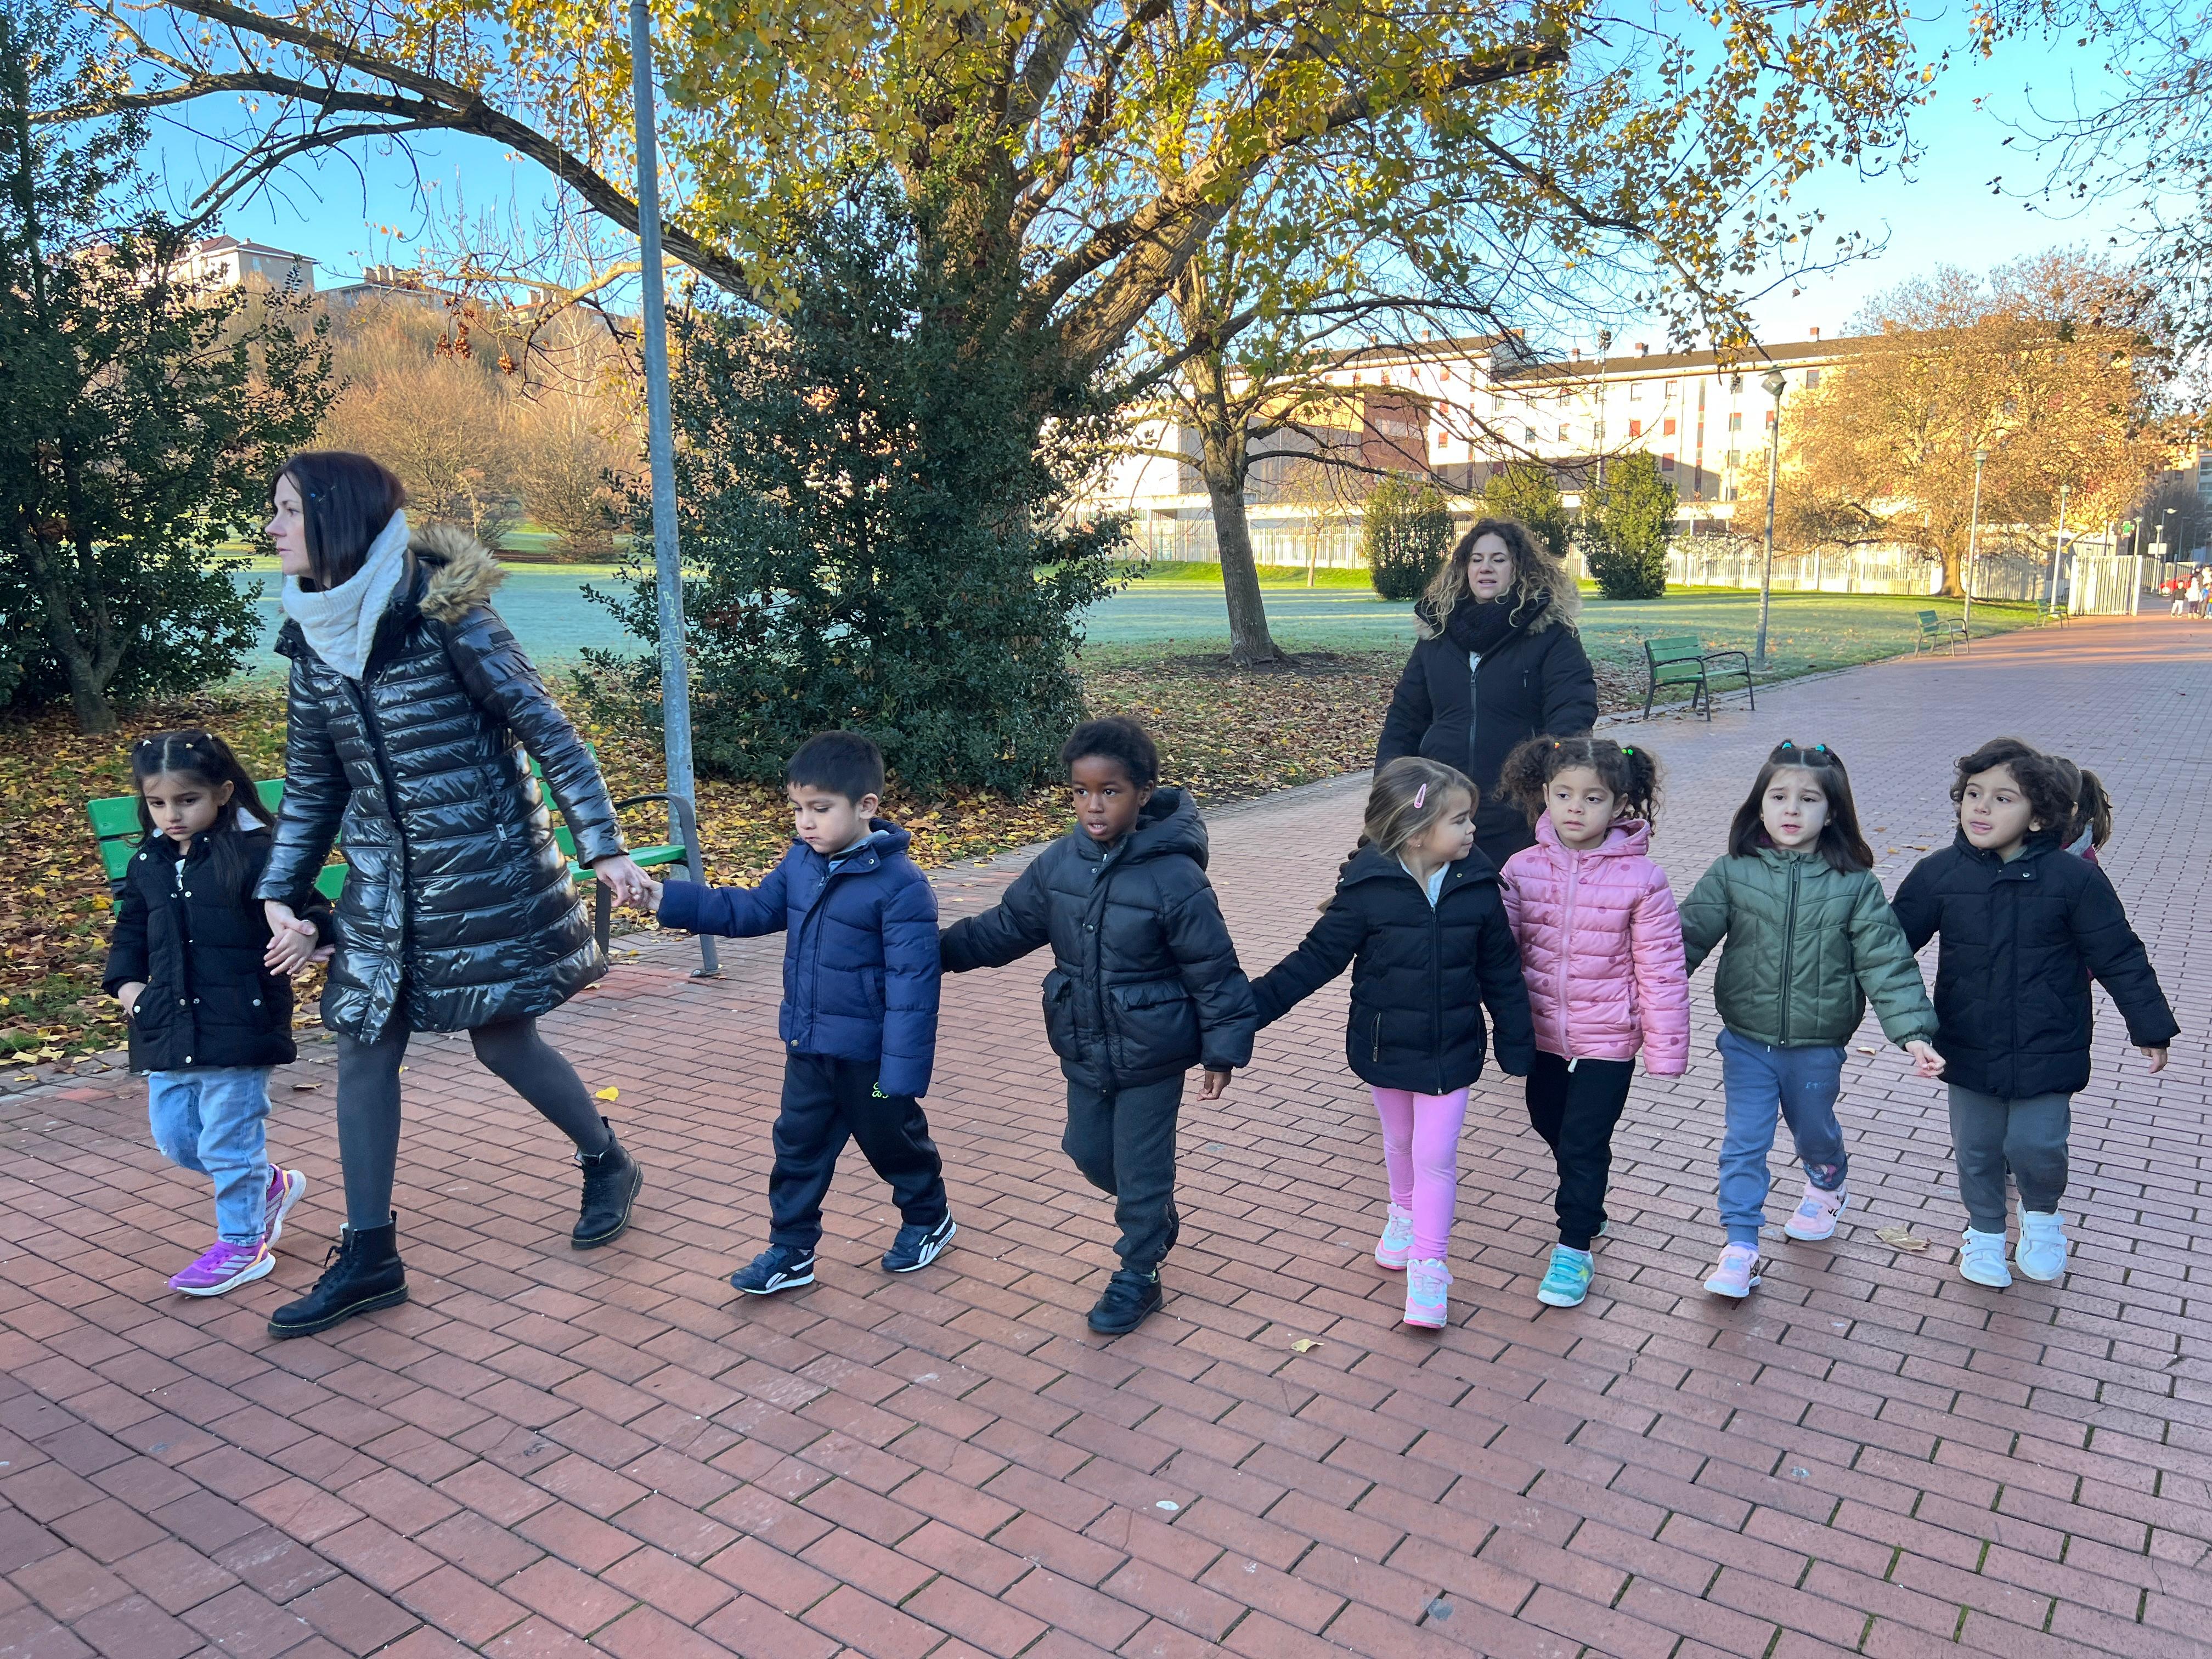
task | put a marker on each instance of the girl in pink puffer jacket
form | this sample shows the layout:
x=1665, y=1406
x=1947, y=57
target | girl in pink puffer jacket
x=1601, y=951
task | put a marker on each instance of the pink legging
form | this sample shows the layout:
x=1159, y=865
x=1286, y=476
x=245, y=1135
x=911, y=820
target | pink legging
x=1420, y=1150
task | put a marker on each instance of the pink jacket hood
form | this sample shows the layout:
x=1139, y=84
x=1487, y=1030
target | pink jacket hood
x=1601, y=949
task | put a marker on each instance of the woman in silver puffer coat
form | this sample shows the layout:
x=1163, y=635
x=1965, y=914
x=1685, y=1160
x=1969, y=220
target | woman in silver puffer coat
x=412, y=717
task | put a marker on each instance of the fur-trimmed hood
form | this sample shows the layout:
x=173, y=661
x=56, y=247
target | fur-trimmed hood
x=461, y=571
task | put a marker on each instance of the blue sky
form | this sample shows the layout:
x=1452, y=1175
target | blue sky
x=1939, y=211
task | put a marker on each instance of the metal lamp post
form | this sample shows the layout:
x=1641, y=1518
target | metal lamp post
x=660, y=448
x=1973, y=543
x=1774, y=384
x=2057, y=551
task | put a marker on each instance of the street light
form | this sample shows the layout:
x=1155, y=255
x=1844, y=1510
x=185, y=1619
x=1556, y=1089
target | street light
x=660, y=448
x=2057, y=550
x=1774, y=384
x=1973, y=544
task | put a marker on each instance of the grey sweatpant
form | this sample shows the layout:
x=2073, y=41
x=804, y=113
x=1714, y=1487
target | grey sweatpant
x=2028, y=1136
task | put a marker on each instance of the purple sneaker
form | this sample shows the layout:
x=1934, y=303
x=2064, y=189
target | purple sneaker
x=225, y=1267
x=286, y=1189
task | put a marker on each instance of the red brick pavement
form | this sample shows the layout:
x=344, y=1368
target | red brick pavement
x=548, y=1454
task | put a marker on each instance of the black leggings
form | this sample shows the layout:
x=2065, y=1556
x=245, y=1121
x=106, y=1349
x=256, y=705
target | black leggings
x=368, y=1103
x=1574, y=1109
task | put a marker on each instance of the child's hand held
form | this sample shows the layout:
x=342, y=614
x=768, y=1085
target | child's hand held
x=1926, y=1062
x=1215, y=1084
x=2155, y=1056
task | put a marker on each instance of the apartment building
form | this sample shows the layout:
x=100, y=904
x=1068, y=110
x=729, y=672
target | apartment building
x=227, y=262
x=1456, y=409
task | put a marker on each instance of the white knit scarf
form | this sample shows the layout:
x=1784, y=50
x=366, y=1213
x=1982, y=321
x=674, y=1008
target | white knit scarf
x=340, y=622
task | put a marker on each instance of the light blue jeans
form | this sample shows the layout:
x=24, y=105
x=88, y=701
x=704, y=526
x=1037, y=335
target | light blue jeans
x=1798, y=1085
x=213, y=1122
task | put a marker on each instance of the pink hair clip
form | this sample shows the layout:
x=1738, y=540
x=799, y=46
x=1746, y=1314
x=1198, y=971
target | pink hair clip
x=1421, y=795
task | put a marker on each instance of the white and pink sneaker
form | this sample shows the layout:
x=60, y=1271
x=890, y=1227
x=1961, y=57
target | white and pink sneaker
x=1428, y=1285
x=286, y=1189
x=1395, y=1248
x=1738, y=1273
x=1815, y=1218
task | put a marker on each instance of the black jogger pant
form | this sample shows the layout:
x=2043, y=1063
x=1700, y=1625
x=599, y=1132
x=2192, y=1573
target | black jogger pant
x=1575, y=1112
x=827, y=1103
x=1124, y=1142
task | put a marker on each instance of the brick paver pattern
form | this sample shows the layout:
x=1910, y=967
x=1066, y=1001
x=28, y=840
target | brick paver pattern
x=547, y=1454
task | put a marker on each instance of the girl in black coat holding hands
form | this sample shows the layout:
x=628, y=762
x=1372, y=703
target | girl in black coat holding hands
x=2025, y=927
x=1418, y=918
x=1499, y=662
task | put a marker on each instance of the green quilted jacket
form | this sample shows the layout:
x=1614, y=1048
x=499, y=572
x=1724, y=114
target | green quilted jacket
x=1808, y=947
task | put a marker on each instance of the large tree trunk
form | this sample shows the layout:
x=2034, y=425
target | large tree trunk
x=1250, y=642
x=87, y=668
x=1952, y=557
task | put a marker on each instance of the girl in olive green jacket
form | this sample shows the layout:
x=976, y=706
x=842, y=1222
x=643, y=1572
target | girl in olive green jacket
x=1811, y=941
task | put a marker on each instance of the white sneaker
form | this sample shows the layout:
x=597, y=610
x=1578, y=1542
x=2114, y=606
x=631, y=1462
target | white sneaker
x=2041, y=1253
x=1395, y=1248
x=1738, y=1273
x=1981, y=1260
x=1815, y=1218
x=1427, y=1288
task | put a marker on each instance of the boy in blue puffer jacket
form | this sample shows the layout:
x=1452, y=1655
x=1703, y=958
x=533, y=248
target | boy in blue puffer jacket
x=859, y=1020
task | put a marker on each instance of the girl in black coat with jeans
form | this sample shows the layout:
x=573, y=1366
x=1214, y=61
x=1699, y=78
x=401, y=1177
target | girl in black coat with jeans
x=1418, y=918
x=1499, y=662
x=209, y=1011
x=2025, y=927
x=1144, y=985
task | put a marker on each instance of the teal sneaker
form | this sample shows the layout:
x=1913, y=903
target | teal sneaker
x=1566, y=1281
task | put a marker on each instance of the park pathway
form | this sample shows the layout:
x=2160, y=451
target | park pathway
x=554, y=1454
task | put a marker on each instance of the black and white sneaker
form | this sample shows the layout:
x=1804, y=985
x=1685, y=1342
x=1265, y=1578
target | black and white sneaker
x=779, y=1268
x=917, y=1247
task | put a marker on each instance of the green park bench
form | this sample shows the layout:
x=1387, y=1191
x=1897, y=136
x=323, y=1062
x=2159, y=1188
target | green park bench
x=1935, y=631
x=1684, y=661
x=115, y=827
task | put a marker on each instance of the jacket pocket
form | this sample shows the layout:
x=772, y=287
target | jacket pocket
x=1059, y=1015
x=1155, y=1025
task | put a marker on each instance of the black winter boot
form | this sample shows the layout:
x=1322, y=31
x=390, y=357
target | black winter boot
x=361, y=1274
x=612, y=1183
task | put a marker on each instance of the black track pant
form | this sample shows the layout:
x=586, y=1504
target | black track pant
x=827, y=1103
x=1575, y=1112
x=1125, y=1143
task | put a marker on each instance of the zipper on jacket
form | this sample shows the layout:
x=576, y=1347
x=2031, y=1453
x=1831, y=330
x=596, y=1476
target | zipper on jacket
x=1435, y=988
x=1474, y=707
x=1566, y=947
x=1788, y=945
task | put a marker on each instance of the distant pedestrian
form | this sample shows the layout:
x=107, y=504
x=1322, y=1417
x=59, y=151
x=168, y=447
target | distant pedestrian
x=2194, y=594
x=2178, y=591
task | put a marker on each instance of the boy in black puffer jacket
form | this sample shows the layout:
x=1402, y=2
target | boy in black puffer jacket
x=1145, y=985
x=2025, y=929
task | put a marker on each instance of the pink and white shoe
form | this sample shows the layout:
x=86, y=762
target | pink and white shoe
x=1738, y=1273
x=1395, y=1248
x=1815, y=1217
x=225, y=1267
x=1427, y=1288
x=286, y=1189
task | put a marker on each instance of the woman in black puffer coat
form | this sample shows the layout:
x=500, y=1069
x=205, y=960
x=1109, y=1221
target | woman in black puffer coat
x=411, y=717
x=1499, y=662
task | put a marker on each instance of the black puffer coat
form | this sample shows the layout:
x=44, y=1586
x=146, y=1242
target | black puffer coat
x=1146, y=982
x=2021, y=942
x=190, y=932
x=1537, y=684
x=458, y=892
x=1420, y=975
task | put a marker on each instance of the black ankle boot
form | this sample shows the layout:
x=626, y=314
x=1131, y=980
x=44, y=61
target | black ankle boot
x=611, y=1183
x=1131, y=1294
x=361, y=1274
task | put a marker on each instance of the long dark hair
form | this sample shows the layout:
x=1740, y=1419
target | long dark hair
x=207, y=760
x=1632, y=774
x=1841, y=843
x=345, y=500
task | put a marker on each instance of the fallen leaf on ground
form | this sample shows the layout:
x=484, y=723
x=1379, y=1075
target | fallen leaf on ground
x=301, y=1088
x=607, y=1094
x=1900, y=1238
x=1304, y=1345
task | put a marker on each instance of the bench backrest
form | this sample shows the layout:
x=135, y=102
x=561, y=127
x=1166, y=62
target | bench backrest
x=1677, y=648
x=1930, y=622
